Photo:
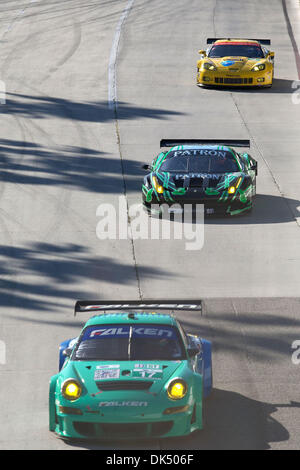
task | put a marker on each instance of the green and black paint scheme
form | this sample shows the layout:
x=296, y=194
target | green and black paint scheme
x=209, y=172
x=125, y=363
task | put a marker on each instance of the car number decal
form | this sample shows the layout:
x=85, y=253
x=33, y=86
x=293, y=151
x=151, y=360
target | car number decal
x=147, y=373
x=150, y=371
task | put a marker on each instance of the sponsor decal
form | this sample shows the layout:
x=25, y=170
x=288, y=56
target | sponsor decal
x=197, y=152
x=152, y=332
x=104, y=372
x=197, y=175
x=146, y=366
x=149, y=371
x=123, y=331
x=109, y=332
x=140, y=306
x=227, y=63
x=123, y=403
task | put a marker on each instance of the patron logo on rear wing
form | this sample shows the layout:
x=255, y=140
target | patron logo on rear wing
x=134, y=305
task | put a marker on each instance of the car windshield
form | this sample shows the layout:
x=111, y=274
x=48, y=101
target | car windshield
x=129, y=342
x=236, y=50
x=200, y=161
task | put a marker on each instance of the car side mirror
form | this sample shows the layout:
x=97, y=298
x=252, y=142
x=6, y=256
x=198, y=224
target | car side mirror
x=271, y=55
x=67, y=352
x=192, y=352
x=146, y=167
x=254, y=167
x=202, y=52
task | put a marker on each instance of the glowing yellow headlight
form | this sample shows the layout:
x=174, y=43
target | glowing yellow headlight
x=158, y=188
x=232, y=189
x=177, y=389
x=258, y=67
x=209, y=66
x=71, y=389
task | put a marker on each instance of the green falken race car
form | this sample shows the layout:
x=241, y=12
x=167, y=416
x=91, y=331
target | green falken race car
x=131, y=373
x=200, y=174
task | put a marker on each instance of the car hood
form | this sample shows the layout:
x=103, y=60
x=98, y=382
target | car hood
x=112, y=376
x=235, y=64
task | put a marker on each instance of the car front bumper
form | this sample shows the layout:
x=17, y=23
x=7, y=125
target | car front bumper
x=114, y=425
x=208, y=206
x=223, y=79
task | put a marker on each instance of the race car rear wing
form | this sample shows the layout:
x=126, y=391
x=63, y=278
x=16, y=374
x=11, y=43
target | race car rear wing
x=264, y=42
x=229, y=142
x=124, y=305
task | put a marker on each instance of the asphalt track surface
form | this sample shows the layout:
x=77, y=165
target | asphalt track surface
x=91, y=88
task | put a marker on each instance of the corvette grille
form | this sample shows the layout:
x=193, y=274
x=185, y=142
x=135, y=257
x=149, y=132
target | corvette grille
x=117, y=385
x=235, y=81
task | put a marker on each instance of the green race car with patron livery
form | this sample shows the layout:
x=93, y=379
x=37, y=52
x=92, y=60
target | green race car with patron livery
x=131, y=373
x=210, y=173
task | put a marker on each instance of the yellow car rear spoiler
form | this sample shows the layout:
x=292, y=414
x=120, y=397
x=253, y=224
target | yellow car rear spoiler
x=264, y=42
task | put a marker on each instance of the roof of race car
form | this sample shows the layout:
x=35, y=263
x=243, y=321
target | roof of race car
x=132, y=318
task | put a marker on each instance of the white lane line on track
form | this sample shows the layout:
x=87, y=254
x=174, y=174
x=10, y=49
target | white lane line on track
x=112, y=68
x=112, y=104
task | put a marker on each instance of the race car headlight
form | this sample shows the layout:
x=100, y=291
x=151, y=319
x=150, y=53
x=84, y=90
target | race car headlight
x=177, y=389
x=209, y=66
x=158, y=187
x=258, y=68
x=71, y=389
x=232, y=189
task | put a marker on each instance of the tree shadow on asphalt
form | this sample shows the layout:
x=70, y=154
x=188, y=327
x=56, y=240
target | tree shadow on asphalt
x=67, y=166
x=254, y=333
x=79, y=167
x=233, y=422
x=41, y=107
x=56, y=271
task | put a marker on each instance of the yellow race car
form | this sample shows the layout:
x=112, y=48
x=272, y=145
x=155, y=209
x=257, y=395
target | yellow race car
x=236, y=62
